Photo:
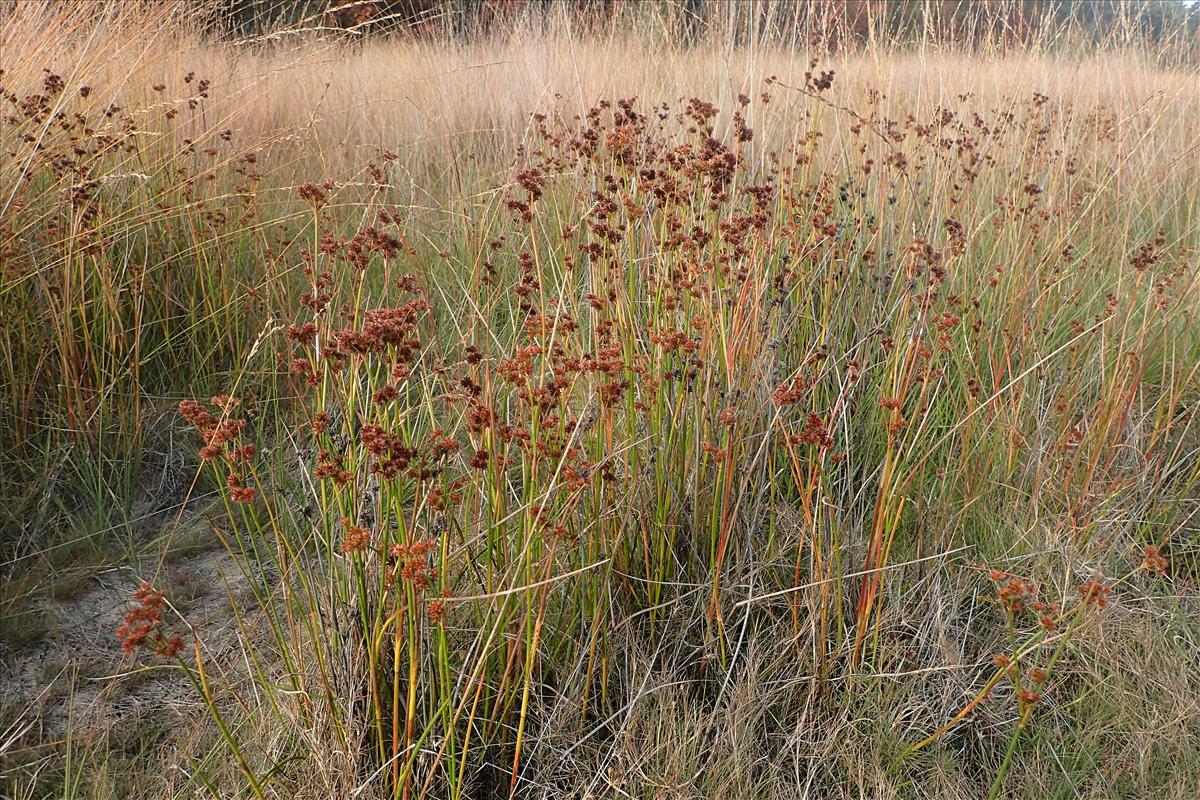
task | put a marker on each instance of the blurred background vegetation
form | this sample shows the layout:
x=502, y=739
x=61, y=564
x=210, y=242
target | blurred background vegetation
x=1015, y=22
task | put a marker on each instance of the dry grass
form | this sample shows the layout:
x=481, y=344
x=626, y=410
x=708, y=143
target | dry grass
x=345, y=99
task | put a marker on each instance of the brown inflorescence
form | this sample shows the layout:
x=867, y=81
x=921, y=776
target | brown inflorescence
x=142, y=626
x=355, y=539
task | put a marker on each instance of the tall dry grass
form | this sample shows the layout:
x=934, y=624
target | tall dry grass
x=344, y=98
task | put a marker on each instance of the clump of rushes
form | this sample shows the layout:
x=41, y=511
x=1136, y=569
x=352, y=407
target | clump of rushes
x=133, y=262
x=660, y=337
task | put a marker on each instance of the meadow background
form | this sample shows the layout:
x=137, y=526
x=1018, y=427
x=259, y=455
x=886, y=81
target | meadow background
x=658, y=400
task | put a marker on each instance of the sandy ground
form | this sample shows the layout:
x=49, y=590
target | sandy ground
x=76, y=673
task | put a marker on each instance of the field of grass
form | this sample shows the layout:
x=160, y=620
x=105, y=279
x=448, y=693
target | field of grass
x=595, y=412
